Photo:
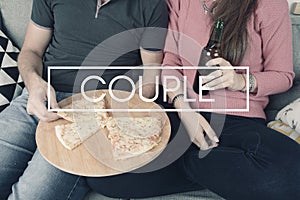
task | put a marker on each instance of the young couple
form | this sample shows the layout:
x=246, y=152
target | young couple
x=232, y=154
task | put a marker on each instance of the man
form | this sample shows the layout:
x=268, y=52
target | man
x=63, y=33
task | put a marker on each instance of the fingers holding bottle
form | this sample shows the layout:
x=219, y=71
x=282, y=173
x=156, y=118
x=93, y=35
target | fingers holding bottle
x=224, y=78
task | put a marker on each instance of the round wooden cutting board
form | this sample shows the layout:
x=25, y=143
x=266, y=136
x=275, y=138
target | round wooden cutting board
x=94, y=157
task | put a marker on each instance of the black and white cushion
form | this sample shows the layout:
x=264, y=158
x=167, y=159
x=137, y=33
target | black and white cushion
x=11, y=83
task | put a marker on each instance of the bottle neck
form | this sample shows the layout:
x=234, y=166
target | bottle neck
x=216, y=35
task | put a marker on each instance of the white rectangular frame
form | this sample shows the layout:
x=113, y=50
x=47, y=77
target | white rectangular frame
x=147, y=67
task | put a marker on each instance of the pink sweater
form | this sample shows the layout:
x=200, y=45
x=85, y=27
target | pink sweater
x=269, y=53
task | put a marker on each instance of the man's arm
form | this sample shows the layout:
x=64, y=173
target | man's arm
x=31, y=55
x=150, y=58
x=31, y=67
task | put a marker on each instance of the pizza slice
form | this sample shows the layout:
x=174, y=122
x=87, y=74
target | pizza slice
x=67, y=136
x=66, y=115
x=100, y=116
x=74, y=134
x=141, y=127
x=127, y=145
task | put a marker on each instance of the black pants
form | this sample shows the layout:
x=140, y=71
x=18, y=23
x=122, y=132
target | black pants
x=251, y=162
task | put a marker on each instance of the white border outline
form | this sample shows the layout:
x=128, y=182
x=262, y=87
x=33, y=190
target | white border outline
x=148, y=67
x=48, y=90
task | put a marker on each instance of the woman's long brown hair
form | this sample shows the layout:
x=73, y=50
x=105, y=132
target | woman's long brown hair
x=236, y=14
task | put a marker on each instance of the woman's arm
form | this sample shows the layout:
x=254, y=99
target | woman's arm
x=274, y=22
x=195, y=123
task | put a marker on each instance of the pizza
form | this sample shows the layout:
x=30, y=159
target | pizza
x=126, y=144
x=84, y=105
x=74, y=134
x=84, y=124
x=128, y=136
x=139, y=126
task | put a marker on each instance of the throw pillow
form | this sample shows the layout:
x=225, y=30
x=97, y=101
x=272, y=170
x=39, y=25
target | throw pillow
x=290, y=115
x=11, y=84
x=287, y=121
x=285, y=129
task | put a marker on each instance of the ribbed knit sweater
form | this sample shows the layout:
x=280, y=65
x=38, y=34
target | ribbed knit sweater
x=268, y=55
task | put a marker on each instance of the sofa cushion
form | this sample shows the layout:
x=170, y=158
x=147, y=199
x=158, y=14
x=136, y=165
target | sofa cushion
x=15, y=15
x=285, y=129
x=287, y=121
x=194, y=195
x=290, y=115
x=278, y=101
x=296, y=44
x=11, y=83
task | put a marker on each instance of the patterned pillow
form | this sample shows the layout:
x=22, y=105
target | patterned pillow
x=11, y=83
x=285, y=129
x=290, y=115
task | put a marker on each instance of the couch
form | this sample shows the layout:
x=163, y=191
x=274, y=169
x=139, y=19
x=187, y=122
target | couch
x=15, y=16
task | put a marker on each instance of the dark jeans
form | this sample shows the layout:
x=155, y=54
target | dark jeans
x=251, y=162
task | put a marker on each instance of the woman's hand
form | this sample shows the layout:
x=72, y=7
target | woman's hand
x=199, y=130
x=224, y=78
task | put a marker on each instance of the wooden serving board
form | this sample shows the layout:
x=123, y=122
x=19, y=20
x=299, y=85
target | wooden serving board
x=94, y=157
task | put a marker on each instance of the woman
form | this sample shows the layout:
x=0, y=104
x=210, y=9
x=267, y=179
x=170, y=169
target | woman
x=251, y=161
x=248, y=160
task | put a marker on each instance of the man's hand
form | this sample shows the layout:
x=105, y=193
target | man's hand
x=38, y=96
x=199, y=130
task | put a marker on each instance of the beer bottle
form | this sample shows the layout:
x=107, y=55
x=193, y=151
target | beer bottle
x=210, y=51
